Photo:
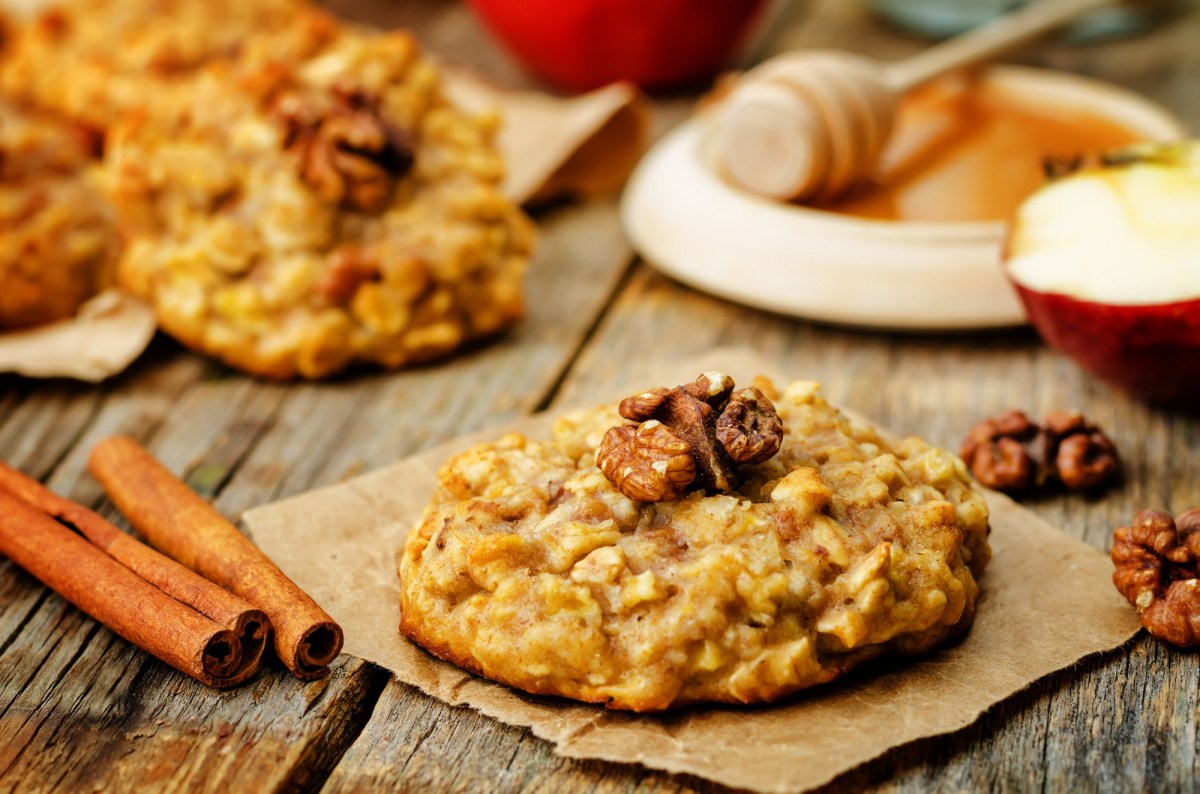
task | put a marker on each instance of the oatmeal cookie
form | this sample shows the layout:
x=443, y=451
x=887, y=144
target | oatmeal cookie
x=95, y=60
x=57, y=236
x=531, y=568
x=293, y=216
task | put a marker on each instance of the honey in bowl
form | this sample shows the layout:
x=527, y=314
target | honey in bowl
x=962, y=152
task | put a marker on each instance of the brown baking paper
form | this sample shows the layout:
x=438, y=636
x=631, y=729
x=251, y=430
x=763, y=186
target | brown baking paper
x=102, y=339
x=581, y=146
x=1047, y=601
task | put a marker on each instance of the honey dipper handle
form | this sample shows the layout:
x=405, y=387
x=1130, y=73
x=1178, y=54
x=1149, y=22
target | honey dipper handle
x=986, y=41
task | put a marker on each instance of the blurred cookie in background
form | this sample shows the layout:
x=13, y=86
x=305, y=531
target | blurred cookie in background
x=293, y=215
x=57, y=234
x=93, y=60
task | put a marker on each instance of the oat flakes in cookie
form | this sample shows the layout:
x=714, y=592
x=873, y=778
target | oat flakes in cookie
x=295, y=216
x=57, y=235
x=96, y=60
x=531, y=568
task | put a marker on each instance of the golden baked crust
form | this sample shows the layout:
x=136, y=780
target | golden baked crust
x=293, y=216
x=57, y=236
x=95, y=60
x=530, y=568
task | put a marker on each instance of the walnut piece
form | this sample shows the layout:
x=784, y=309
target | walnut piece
x=345, y=148
x=686, y=411
x=641, y=407
x=1157, y=561
x=713, y=388
x=349, y=268
x=749, y=428
x=719, y=428
x=647, y=462
x=1011, y=453
x=1002, y=452
x=1080, y=454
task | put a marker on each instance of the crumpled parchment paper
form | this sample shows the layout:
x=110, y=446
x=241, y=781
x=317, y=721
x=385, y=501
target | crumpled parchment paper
x=103, y=338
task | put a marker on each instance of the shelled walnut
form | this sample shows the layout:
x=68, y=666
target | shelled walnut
x=647, y=462
x=1002, y=452
x=694, y=434
x=345, y=147
x=1080, y=455
x=1011, y=453
x=1157, y=561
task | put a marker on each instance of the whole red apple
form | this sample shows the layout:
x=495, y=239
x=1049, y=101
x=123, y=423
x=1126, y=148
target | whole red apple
x=582, y=44
x=1107, y=263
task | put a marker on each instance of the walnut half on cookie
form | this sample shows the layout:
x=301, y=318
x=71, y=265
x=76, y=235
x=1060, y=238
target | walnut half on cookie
x=842, y=547
x=293, y=218
x=697, y=432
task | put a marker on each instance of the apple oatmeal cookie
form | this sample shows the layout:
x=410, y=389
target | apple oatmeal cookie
x=531, y=568
x=95, y=60
x=57, y=236
x=294, y=216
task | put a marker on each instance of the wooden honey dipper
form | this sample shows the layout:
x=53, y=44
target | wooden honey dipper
x=808, y=125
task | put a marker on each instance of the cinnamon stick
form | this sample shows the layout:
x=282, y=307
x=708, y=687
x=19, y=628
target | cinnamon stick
x=174, y=519
x=250, y=625
x=119, y=598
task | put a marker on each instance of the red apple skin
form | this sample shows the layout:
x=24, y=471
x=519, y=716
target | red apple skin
x=583, y=44
x=1151, y=351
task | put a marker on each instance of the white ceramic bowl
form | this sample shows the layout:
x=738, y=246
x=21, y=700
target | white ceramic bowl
x=839, y=268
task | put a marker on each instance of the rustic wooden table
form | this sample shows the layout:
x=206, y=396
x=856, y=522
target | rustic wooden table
x=80, y=710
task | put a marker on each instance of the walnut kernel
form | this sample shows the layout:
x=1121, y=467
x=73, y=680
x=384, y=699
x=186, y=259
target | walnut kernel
x=1009, y=452
x=749, y=428
x=1000, y=452
x=1157, y=561
x=1080, y=454
x=641, y=407
x=719, y=428
x=647, y=462
x=345, y=148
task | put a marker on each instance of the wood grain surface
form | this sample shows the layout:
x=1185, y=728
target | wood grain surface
x=80, y=710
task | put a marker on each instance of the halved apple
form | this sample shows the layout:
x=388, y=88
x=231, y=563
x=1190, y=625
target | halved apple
x=1107, y=262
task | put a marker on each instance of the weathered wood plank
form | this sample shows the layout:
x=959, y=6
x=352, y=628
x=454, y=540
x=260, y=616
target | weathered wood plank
x=13, y=390
x=419, y=744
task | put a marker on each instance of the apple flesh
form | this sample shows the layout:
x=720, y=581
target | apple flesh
x=1107, y=263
